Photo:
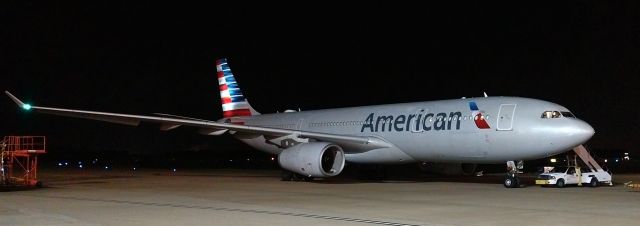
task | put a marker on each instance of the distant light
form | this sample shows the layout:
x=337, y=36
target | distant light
x=59, y=164
x=553, y=160
x=626, y=153
x=230, y=160
x=66, y=163
x=106, y=167
x=26, y=107
x=616, y=160
x=626, y=158
x=79, y=163
x=605, y=160
x=248, y=159
x=134, y=169
x=80, y=166
x=273, y=158
x=174, y=169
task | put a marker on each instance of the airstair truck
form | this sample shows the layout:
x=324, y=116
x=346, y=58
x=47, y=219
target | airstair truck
x=593, y=174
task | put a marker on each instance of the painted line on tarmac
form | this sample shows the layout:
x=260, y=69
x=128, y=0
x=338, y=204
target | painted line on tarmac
x=325, y=217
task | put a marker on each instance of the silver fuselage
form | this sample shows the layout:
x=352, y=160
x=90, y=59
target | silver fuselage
x=517, y=130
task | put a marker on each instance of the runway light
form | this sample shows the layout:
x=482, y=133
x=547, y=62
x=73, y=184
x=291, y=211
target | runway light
x=553, y=160
x=26, y=107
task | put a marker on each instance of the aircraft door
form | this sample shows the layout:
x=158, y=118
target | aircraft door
x=505, y=117
x=299, y=125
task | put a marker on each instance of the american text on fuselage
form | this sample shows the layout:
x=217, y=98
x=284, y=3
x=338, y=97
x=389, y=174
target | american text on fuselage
x=412, y=122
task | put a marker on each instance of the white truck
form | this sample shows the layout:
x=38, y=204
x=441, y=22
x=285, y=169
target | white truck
x=562, y=176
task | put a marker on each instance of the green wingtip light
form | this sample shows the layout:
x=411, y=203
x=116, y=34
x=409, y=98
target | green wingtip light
x=26, y=107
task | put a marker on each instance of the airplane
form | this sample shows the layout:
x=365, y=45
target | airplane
x=317, y=143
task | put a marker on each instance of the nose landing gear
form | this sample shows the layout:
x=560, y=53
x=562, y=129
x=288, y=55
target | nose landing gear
x=511, y=180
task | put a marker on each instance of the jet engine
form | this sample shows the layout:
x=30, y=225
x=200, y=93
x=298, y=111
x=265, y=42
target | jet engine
x=449, y=169
x=315, y=159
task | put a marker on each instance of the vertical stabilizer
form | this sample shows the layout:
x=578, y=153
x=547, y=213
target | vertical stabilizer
x=234, y=104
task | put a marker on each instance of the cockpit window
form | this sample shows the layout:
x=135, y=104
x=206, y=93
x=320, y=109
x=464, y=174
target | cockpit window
x=567, y=114
x=551, y=114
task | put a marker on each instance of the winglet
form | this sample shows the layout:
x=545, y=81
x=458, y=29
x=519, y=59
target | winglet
x=17, y=101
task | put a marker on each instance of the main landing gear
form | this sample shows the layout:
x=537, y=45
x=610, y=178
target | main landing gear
x=291, y=176
x=511, y=180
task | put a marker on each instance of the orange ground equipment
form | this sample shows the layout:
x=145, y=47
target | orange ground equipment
x=19, y=155
x=632, y=185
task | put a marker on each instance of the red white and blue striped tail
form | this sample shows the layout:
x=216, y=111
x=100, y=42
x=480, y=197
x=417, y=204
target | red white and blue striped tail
x=234, y=104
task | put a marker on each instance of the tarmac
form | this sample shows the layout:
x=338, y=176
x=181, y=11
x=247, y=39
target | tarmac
x=255, y=197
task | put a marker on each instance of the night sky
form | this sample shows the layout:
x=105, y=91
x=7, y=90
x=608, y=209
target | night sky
x=145, y=57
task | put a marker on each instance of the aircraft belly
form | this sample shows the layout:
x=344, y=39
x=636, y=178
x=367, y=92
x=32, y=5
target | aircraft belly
x=458, y=146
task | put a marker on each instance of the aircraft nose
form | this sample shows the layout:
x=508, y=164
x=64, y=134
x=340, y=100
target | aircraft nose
x=584, y=131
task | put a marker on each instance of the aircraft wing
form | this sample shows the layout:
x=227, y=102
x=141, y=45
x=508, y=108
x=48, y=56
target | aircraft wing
x=355, y=144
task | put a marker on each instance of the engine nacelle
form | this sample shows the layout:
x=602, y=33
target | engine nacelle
x=315, y=159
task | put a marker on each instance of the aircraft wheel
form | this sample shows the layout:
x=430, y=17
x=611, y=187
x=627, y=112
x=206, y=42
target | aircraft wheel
x=511, y=182
x=560, y=183
x=286, y=175
x=308, y=179
x=593, y=183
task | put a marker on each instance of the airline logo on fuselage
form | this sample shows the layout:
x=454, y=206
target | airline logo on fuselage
x=478, y=116
x=412, y=122
x=422, y=121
